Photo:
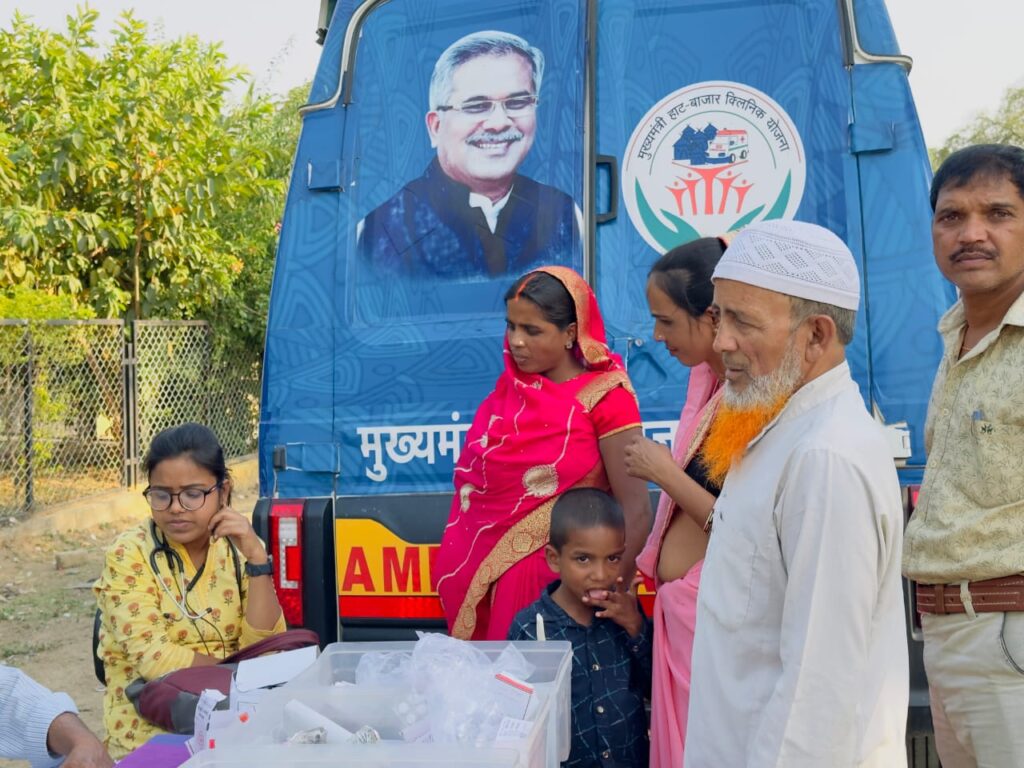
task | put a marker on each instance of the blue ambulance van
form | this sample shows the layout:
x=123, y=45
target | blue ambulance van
x=385, y=325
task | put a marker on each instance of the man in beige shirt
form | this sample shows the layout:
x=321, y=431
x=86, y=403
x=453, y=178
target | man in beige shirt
x=964, y=545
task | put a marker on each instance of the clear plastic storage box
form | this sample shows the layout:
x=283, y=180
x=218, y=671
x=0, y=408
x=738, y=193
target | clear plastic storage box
x=355, y=756
x=324, y=687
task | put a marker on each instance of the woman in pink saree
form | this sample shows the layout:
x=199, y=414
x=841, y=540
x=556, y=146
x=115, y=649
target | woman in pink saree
x=560, y=417
x=679, y=293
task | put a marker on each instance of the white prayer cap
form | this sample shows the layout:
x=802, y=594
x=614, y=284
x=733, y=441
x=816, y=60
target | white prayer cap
x=794, y=258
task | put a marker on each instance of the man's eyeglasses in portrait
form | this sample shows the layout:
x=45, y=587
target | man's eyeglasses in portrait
x=514, y=106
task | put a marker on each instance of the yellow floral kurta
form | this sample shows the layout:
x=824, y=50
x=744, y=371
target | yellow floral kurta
x=144, y=634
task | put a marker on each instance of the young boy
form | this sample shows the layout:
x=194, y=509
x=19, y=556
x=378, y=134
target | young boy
x=593, y=606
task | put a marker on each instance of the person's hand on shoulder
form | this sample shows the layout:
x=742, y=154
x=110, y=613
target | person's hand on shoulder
x=648, y=460
x=620, y=606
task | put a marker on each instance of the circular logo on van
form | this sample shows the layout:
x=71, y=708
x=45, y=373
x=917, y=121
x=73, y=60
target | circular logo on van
x=709, y=159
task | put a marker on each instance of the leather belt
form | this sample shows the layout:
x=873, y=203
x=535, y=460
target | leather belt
x=990, y=595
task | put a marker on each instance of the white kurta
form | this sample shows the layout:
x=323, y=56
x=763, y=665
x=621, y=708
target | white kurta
x=800, y=656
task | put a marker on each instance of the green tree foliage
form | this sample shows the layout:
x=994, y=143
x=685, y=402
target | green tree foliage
x=1004, y=126
x=127, y=167
x=252, y=228
x=23, y=303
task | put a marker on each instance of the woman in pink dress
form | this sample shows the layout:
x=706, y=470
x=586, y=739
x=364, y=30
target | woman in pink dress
x=560, y=417
x=679, y=293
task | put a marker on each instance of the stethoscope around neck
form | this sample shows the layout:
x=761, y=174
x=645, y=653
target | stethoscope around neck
x=176, y=564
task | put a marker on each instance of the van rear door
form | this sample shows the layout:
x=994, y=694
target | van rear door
x=674, y=82
x=828, y=139
x=417, y=341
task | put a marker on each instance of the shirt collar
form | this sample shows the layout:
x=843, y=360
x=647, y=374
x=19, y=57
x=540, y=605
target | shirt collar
x=186, y=558
x=190, y=567
x=490, y=210
x=1015, y=314
x=954, y=318
x=554, y=613
x=951, y=326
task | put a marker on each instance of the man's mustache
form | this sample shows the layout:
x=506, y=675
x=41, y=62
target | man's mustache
x=972, y=251
x=734, y=362
x=509, y=134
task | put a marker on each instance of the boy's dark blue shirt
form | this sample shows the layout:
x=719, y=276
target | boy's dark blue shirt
x=611, y=674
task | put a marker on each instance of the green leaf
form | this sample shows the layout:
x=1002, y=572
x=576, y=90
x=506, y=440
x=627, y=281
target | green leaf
x=742, y=221
x=666, y=237
x=779, y=207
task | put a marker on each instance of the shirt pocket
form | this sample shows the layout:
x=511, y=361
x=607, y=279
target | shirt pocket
x=729, y=589
x=999, y=447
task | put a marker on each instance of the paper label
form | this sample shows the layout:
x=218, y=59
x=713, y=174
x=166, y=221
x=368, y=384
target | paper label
x=512, y=696
x=208, y=699
x=513, y=729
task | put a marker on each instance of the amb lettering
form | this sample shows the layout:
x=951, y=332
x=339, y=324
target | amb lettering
x=389, y=569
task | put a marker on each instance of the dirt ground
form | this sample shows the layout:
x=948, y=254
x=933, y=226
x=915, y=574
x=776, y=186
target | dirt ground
x=46, y=614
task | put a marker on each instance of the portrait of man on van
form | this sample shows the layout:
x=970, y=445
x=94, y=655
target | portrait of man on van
x=472, y=214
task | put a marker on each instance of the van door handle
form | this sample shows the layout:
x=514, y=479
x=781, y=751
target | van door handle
x=613, y=187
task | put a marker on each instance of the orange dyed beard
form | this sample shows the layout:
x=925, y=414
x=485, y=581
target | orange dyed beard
x=731, y=433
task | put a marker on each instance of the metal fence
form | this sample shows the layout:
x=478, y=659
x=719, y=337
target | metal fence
x=80, y=401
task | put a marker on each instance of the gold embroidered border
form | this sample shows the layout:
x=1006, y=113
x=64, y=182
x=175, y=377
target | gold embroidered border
x=522, y=539
x=593, y=392
x=616, y=431
x=535, y=526
x=707, y=418
x=594, y=351
x=703, y=427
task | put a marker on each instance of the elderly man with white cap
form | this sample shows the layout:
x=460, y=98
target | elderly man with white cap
x=800, y=655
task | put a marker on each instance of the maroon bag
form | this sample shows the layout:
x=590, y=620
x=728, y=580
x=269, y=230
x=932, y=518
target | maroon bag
x=170, y=701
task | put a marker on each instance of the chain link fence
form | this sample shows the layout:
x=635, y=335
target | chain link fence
x=15, y=414
x=180, y=377
x=80, y=401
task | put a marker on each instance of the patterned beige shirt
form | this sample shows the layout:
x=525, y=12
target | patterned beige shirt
x=969, y=522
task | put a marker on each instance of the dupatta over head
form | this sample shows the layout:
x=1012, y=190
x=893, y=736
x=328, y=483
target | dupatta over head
x=530, y=441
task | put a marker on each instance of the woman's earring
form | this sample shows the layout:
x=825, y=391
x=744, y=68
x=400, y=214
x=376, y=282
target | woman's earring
x=568, y=344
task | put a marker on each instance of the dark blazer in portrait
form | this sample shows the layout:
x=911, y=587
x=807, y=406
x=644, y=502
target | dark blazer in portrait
x=429, y=229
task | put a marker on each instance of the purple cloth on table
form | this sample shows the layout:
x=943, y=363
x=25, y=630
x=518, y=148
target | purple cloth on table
x=165, y=750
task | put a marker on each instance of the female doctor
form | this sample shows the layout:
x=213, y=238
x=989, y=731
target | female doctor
x=187, y=587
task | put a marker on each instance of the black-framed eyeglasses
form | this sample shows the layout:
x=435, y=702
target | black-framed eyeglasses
x=190, y=499
x=514, y=106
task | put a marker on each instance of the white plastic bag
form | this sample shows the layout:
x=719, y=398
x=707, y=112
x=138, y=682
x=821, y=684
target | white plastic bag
x=456, y=679
x=385, y=669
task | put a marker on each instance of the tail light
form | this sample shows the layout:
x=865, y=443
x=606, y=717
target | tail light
x=915, y=490
x=286, y=546
x=645, y=594
x=911, y=492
